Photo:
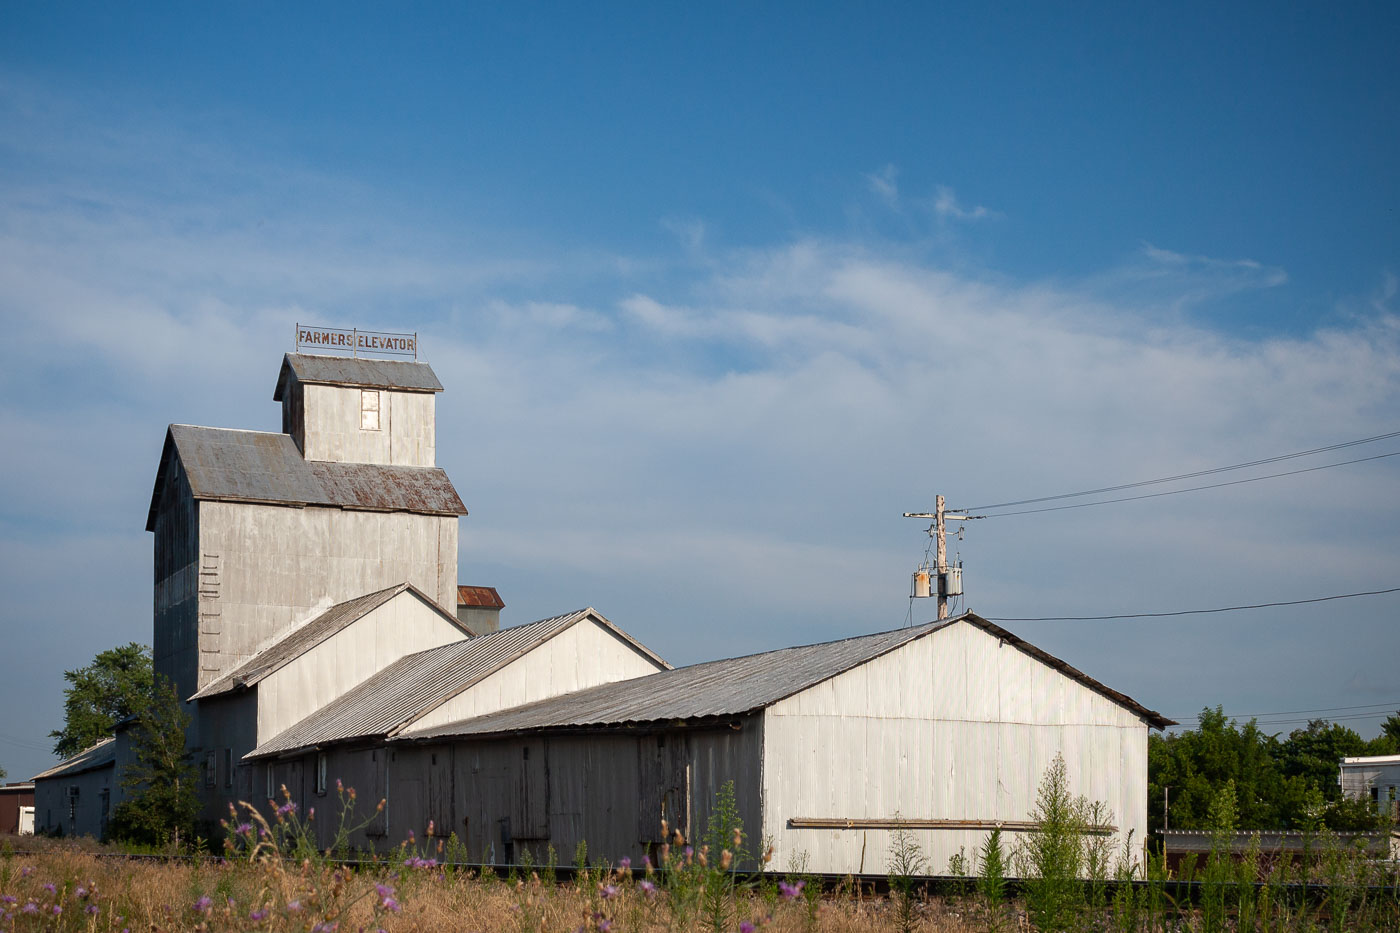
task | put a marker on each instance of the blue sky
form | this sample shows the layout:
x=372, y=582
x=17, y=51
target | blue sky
x=718, y=292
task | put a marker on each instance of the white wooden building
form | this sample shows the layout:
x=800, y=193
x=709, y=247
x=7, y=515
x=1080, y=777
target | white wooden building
x=945, y=728
x=305, y=588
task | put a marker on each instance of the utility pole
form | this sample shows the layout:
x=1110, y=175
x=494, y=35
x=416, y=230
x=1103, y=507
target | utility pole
x=940, y=535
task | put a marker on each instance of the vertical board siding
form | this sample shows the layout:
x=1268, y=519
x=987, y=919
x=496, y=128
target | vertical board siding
x=280, y=565
x=402, y=626
x=957, y=725
x=584, y=655
x=406, y=435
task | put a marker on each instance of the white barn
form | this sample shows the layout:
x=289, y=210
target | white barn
x=946, y=728
x=305, y=587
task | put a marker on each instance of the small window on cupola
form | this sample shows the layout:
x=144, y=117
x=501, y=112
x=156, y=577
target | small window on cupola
x=369, y=409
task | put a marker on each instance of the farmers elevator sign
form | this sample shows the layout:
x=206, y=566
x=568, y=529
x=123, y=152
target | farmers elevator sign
x=358, y=342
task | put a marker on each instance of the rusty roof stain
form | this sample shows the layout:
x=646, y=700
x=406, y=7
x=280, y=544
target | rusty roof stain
x=479, y=597
x=265, y=467
x=293, y=644
x=403, y=375
x=419, y=683
x=733, y=687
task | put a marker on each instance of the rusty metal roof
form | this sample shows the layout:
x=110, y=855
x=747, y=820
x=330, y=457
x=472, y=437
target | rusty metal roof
x=404, y=375
x=479, y=597
x=729, y=688
x=308, y=635
x=416, y=684
x=99, y=755
x=260, y=466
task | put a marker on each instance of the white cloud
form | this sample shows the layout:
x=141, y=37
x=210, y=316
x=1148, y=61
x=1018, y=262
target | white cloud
x=946, y=205
x=885, y=184
x=724, y=448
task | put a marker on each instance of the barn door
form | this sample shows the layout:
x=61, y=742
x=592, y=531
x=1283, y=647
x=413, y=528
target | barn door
x=531, y=817
x=664, y=781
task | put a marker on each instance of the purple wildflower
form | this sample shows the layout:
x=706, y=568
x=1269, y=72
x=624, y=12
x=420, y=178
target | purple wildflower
x=625, y=864
x=287, y=809
x=746, y=927
x=648, y=888
x=81, y=892
x=339, y=787
x=26, y=871
x=57, y=909
x=789, y=891
x=9, y=899
x=202, y=905
x=384, y=890
x=390, y=905
x=604, y=925
x=294, y=907
x=646, y=861
x=91, y=909
x=609, y=892
x=50, y=888
x=257, y=916
x=243, y=829
x=30, y=908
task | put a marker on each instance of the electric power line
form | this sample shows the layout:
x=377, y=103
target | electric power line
x=1376, y=709
x=1173, y=492
x=1192, y=612
x=1181, y=476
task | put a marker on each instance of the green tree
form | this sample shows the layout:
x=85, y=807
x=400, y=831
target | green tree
x=161, y=804
x=1197, y=763
x=116, y=685
x=1052, y=858
x=1315, y=754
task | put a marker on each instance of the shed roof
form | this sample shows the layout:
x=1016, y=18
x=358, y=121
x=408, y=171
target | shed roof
x=260, y=466
x=99, y=755
x=479, y=597
x=421, y=682
x=291, y=645
x=403, y=375
x=733, y=687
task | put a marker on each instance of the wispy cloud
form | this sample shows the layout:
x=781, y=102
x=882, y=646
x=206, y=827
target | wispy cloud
x=884, y=184
x=748, y=426
x=946, y=205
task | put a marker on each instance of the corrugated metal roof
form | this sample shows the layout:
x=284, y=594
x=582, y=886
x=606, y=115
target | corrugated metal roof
x=260, y=466
x=716, y=688
x=310, y=634
x=420, y=682
x=732, y=687
x=406, y=375
x=91, y=758
x=479, y=597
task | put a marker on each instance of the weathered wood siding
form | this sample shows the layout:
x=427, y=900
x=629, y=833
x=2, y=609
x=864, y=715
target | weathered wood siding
x=584, y=655
x=175, y=645
x=402, y=626
x=86, y=815
x=502, y=797
x=271, y=567
x=957, y=726
x=332, y=431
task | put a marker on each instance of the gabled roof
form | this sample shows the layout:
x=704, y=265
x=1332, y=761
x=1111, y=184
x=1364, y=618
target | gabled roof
x=479, y=597
x=402, y=375
x=99, y=755
x=416, y=684
x=733, y=687
x=259, y=466
x=292, y=645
